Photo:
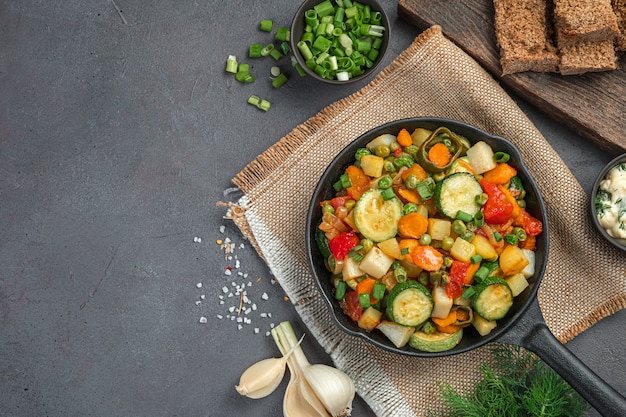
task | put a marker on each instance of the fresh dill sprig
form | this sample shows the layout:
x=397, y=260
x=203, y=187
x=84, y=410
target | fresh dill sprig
x=516, y=384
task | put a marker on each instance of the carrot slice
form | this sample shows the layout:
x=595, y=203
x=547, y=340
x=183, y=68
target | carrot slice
x=404, y=138
x=439, y=154
x=501, y=174
x=416, y=170
x=427, y=258
x=366, y=286
x=412, y=225
x=406, y=246
x=359, y=182
x=408, y=195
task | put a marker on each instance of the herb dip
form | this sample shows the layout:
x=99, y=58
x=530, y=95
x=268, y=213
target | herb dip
x=611, y=203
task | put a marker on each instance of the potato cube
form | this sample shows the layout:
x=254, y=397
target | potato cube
x=484, y=248
x=462, y=250
x=412, y=270
x=370, y=319
x=372, y=165
x=512, y=260
x=443, y=303
x=480, y=157
x=482, y=326
x=517, y=283
x=438, y=229
x=351, y=269
x=391, y=248
x=375, y=263
x=398, y=334
x=529, y=270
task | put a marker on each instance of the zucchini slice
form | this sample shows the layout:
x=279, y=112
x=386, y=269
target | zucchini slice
x=458, y=192
x=376, y=218
x=436, y=342
x=409, y=303
x=493, y=298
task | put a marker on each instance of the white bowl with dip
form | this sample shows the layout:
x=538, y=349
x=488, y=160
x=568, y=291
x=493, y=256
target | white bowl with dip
x=608, y=202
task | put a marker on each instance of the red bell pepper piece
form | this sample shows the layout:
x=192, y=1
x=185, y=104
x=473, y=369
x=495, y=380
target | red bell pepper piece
x=497, y=209
x=341, y=244
x=531, y=225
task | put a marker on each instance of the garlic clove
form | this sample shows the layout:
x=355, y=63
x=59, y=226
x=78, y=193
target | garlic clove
x=262, y=378
x=333, y=387
x=296, y=403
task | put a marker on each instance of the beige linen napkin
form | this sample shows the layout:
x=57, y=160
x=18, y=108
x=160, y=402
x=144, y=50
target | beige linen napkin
x=585, y=278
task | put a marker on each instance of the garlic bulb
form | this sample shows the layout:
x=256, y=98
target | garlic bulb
x=263, y=377
x=329, y=386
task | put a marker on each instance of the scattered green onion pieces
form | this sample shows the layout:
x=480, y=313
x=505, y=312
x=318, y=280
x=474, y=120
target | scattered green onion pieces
x=231, y=64
x=254, y=50
x=345, y=181
x=497, y=236
x=511, y=239
x=279, y=81
x=324, y=8
x=261, y=104
x=282, y=34
x=476, y=259
x=276, y=54
x=409, y=208
x=265, y=51
x=266, y=25
x=479, y=219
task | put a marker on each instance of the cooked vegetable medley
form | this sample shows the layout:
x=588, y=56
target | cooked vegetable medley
x=428, y=234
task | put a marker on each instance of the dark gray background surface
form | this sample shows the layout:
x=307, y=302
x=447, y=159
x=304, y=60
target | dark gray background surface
x=119, y=133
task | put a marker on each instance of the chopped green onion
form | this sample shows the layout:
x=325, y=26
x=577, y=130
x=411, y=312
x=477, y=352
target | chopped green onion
x=340, y=290
x=266, y=25
x=409, y=208
x=476, y=259
x=259, y=103
x=467, y=235
x=479, y=219
x=497, y=236
x=231, y=64
x=520, y=233
x=275, y=71
x=469, y=292
x=501, y=157
x=345, y=181
x=294, y=62
x=282, y=34
x=324, y=8
x=278, y=81
x=310, y=18
x=379, y=290
x=511, y=239
x=276, y=54
x=372, y=30
x=255, y=50
x=388, y=194
x=463, y=216
x=285, y=48
x=267, y=49
x=304, y=50
x=385, y=182
x=364, y=300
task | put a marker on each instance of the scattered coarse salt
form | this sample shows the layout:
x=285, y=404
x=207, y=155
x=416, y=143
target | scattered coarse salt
x=219, y=316
x=272, y=325
x=198, y=302
x=268, y=333
x=254, y=306
x=224, y=290
x=227, y=272
x=239, y=327
x=202, y=297
x=197, y=239
x=237, y=264
x=239, y=319
x=256, y=330
x=265, y=296
x=222, y=228
x=241, y=246
x=203, y=319
x=231, y=309
x=264, y=315
x=199, y=285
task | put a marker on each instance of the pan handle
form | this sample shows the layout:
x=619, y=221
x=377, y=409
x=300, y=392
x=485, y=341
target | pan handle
x=530, y=331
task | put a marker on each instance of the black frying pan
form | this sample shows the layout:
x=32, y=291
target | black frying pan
x=523, y=326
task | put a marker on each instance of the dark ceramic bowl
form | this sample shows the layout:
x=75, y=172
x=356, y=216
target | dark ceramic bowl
x=298, y=26
x=324, y=191
x=621, y=244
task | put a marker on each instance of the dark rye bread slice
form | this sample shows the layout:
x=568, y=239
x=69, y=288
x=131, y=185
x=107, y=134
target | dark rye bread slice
x=619, y=8
x=588, y=20
x=523, y=36
x=588, y=56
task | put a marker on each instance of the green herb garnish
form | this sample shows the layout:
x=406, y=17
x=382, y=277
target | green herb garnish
x=516, y=384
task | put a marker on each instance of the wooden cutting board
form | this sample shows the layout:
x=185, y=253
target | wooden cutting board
x=592, y=104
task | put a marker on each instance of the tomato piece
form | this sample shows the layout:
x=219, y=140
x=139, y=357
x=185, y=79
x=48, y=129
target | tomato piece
x=341, y=244
x=531, y=225
x=497, y=209
x=458, y=277
x=339, y=201
x=353, y=307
